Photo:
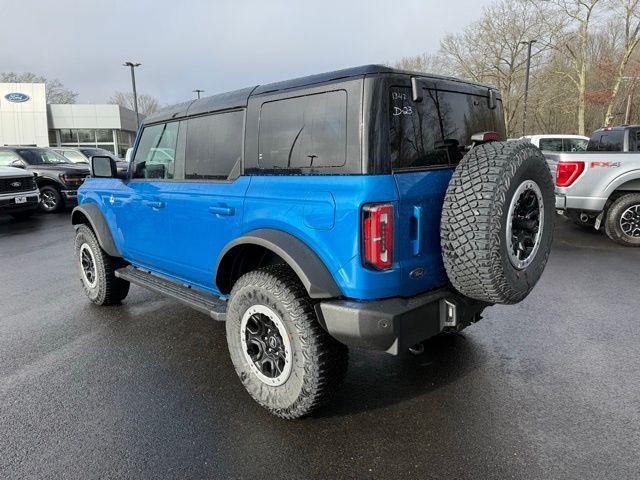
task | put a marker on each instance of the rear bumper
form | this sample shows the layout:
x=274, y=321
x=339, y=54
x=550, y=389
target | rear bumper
x=591, y=204
x=395, y=324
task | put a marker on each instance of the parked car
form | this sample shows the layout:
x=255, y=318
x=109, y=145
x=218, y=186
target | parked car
x=57, y=178
x=601, y=187
x=343, y=209
x=559, y=142
x=83, y=154
x=19, y=195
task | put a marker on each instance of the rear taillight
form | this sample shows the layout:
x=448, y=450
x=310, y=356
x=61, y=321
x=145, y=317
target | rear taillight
x=568, y=172
x=377, y=235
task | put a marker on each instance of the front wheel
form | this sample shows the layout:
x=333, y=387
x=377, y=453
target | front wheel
x=623, y=220
x=96, y=270
x=285, y=360
x=50, y=199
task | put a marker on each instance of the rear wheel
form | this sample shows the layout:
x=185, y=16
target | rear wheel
x=497, y=222
x=623, y=220
x=50, y=199
x=284, y=358
x=96, y=270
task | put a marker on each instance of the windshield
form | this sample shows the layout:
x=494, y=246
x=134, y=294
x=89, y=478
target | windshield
x=74, y=156
x=41, y=156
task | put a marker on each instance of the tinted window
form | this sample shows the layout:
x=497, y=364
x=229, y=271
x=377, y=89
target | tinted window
x=304, y=132
x=7, y=157
x=550, y=144
x=156, y=152
x=437, y=131
x=214, y=145
x=611, y=141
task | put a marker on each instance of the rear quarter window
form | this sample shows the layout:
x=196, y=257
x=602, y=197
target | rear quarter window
x=303, y=133
x=436, y=132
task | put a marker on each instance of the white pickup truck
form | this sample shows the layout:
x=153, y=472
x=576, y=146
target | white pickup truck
x=600, y=187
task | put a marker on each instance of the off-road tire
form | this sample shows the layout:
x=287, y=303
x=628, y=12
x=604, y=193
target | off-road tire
x=108, y=289
x=55, y=195
x=612, y=226
x=319, y=362
x=473, y=228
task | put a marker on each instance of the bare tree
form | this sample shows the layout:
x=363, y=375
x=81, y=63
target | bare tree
x=424, y=62
x=56, y=92
x=629, y=12
x=147, y=104
x=581, y=14
x=491, y=50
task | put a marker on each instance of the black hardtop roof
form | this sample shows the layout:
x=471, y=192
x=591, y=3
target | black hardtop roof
x=239, y=98
x=617, y=127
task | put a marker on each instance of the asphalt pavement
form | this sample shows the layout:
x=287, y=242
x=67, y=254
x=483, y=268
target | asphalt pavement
x=545, y=389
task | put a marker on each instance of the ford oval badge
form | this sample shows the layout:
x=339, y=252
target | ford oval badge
x=416, y=273
x=16, y=97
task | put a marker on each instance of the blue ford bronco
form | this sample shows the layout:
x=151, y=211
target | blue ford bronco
x=368, y=207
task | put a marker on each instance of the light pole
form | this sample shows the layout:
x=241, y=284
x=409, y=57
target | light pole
x=627, y=114
x=198, y=92
x=526, y=85
x=133, y=84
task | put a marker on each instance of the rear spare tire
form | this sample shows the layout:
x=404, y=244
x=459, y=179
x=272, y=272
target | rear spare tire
x=497, y=222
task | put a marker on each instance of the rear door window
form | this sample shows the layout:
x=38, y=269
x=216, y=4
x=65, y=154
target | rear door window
x=156, y=152
x=436, y=132
x=303, y=133
x=611, y=141
x=214, y=145
x=550, y=144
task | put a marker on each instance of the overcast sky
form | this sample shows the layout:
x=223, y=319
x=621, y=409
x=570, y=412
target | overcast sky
x=215, y=45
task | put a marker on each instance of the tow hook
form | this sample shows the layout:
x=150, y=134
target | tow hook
x=417, y=349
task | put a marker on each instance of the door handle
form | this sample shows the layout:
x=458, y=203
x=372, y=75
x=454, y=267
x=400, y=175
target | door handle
x=227, y=211
x=416, y=219
x=153, y=204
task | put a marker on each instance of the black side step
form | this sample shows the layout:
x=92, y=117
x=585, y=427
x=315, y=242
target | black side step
x=202, y=301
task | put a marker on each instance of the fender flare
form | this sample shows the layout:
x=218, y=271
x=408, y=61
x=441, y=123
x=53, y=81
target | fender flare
x=632, y=176
x=313, y=273
x=91, y=213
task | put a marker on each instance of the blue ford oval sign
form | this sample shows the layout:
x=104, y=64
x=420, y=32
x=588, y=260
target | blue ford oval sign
x=17, y=97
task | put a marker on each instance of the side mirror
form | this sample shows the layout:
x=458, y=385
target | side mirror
x=102, y=166
x=18, y=164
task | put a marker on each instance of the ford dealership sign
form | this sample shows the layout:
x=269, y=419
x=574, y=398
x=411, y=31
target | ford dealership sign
x=17, y=97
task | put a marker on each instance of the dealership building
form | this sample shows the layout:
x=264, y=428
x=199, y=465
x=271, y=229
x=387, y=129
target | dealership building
x=27, y=119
